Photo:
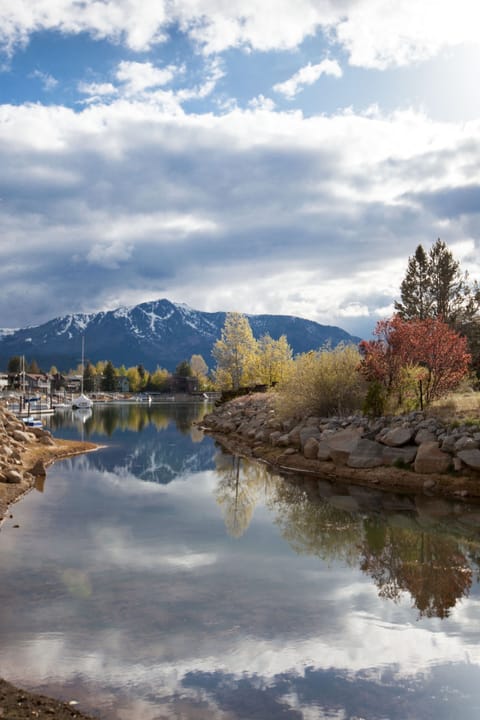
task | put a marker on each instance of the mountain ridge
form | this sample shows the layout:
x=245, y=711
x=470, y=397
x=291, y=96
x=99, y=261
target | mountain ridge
x=154, y=333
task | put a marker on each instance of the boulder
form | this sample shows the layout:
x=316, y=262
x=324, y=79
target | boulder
x=13, y=476
x=342, y=444
x=471, y=458
x=23, y=436
x=308, y=432
x=310, y=448
x=424, y=435
x=396, y=437
x=323, y=450
x=465, y=443
x=393, y=455
x=366, y=454
x=430, y=459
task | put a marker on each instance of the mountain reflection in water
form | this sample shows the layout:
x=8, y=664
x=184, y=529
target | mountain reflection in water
x=161, y=577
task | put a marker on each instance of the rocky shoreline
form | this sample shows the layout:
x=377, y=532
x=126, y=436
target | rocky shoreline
x=25, y=453
x=408, y=453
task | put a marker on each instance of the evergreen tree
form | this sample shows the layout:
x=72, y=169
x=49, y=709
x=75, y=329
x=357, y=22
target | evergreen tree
x=415, y=289
x=89, y=378
x=14, y=365
x=435, y=287
x=183, y=369
x=109, y=378
x=34, y=368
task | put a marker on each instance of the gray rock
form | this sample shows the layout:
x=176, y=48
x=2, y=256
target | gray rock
x=406, y=454
x=424, y=435
x=275, y=436
x=323, y=451
x=366, y=454
x=471, y=458
x=396, y=437
x=448, y=444
x=465, y=443
x=341, y=445
x=308, y=432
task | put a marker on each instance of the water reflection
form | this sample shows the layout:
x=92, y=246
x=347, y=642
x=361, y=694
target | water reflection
x=105, y=420
x=435, y=566
x=160, y=577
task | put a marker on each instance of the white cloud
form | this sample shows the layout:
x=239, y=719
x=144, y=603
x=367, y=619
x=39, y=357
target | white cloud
x=375, y=33
x=97, y=89
x=138, y=76
x=319, y=213
x=47, y=80
x=308, y=75
x=379, y=33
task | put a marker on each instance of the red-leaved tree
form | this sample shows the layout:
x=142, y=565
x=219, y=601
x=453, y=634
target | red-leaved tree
x=427, y=350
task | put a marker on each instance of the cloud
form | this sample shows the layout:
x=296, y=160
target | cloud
x=375, y=33
x=47, y=80
x=139, y=76
x=144, y=81
x=131, y=200
x=379, y=34
x=308, y=75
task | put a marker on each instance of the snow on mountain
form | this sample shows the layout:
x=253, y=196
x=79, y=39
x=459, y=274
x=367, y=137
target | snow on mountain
x=157, y=333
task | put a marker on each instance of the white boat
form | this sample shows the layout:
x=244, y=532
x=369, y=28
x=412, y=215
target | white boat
x=32, y=421
x=82, y=402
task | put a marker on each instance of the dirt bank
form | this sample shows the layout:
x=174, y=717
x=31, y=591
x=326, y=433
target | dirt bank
x=18, y=704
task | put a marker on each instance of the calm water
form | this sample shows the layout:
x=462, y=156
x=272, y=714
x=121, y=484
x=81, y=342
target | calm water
x=160, y=578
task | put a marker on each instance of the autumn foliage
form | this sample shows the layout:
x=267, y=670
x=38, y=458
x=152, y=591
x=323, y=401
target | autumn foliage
x=423, y=357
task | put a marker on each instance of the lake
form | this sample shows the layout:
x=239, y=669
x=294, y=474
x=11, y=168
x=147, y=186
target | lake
x=160, y=577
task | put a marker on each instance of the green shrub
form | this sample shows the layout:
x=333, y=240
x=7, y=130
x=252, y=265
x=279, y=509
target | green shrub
x=375, y=400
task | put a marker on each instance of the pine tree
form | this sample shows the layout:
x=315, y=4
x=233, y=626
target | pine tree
x=89, y=378
x=435, y=287
x=108, y=381
x=415, y=289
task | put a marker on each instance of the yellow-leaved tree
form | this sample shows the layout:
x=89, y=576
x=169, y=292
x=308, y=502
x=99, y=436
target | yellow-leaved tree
x=235, y=354
x=274, y=359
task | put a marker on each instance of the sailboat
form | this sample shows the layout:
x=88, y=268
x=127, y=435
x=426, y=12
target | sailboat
x=82, y=402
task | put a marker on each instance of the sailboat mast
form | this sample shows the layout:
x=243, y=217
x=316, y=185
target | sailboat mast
x=83, y=364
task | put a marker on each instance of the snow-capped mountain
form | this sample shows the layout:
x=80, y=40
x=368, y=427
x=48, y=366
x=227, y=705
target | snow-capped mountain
x=158, y=333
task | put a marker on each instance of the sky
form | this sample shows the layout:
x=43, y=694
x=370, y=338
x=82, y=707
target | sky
x=262, y=156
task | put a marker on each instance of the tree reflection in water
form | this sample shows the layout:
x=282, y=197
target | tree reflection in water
x=434, y=566
x=136, y=417
x=239, y=489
